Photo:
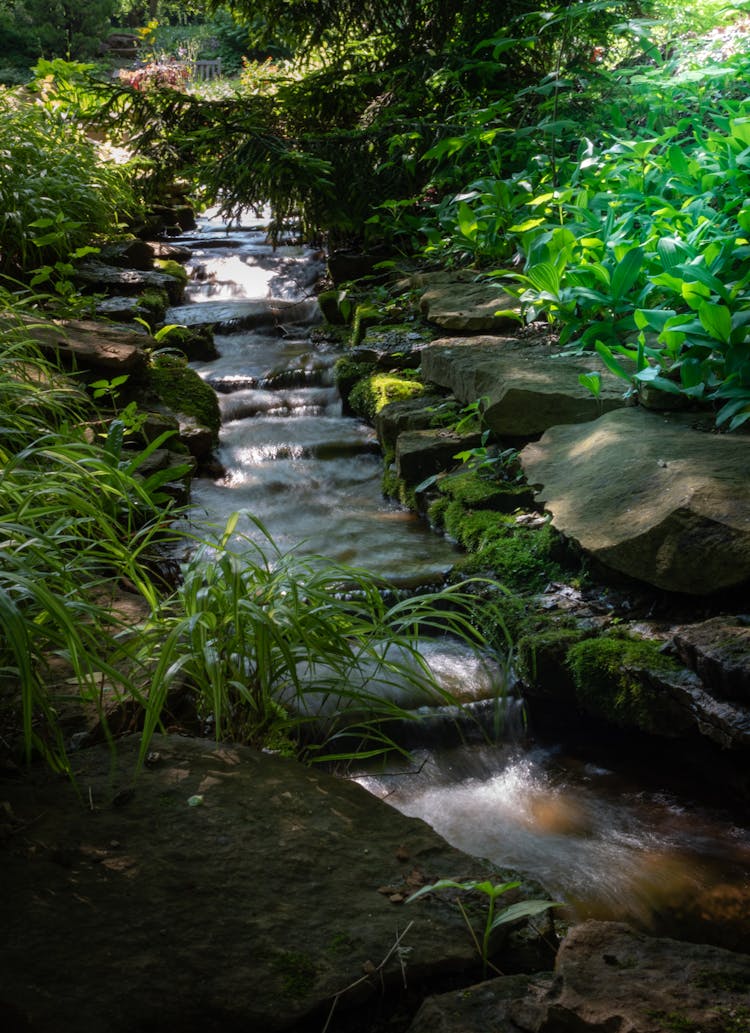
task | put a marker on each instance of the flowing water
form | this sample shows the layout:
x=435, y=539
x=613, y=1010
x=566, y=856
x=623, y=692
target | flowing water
x=606, y=843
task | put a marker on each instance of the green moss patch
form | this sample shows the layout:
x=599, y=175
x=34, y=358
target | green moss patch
x=370, y=394
x=182, y=390
x=608, y=674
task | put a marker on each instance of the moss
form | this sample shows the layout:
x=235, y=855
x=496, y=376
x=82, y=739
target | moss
x=182, y=390
x=335, y=306
x=347, y=373
x=364, y=316
x=195, y=342
x=474, y=491
x=370, y=394
x=298, y=972
x=172, y=268
x=605, y=674
x=540, y=653
x=155, y=302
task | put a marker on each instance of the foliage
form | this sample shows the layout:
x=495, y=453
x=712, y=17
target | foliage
x=77, y=516
x=275, y=643
x=64, y=28
x=634, y=240
x=55, y=193
x=493, y=919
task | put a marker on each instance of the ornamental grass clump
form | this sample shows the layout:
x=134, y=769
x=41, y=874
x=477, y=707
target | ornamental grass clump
x=269, y=642
x=77, y=519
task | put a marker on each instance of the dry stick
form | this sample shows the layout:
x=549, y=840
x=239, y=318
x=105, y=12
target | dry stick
x=365, y=978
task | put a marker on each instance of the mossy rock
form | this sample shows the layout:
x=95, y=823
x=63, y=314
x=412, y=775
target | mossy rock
x=522, y=558
x=347, y=374
x=372, y=393
x=476, y=491
x=155, y=302
x=336, y=307
x=181, y=389
x=172, y=268
x=195, y=342
x=612, y=679
x=364, y=317
x=540, y=659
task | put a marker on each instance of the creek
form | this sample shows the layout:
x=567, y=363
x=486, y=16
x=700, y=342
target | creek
x=595, y=834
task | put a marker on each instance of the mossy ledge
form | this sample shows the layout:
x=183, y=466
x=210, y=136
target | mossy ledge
x=610, y=676
x=181, y=389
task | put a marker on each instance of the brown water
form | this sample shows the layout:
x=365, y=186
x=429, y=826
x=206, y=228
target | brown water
x=609, y=846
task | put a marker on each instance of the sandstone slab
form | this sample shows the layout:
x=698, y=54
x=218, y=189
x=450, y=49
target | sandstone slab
x=109, y=279
x=85, y=344
x=422, y=453
x=223, y=889
x=460, y=302
x=650, y=497
x=250, y=314
x=528, y=387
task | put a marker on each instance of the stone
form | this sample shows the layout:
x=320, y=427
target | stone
x=121, y=309
x=607, y=979
x=230, y=316
x=719, y=651
x=219, y=889
x=650, y=497
x=128, y=254
x=85, y=344
x=395, y=418
x=528, y=388
x=458, y=301
x=109, y=279
x=422, y=453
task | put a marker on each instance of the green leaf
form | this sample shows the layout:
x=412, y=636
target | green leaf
x=523, y=909
x=626, y=272
x=545, y=277
x=467, y=222
x=716, y=320
x=592, y=381
x=611, y=362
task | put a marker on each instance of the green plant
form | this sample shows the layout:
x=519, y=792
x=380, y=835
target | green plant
x=77, y=516
x=276, y=645
x=493, y=918
x=56, y=195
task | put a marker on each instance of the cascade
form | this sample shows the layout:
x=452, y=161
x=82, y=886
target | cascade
x=609, y=843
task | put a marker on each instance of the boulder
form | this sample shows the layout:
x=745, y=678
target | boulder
x=128, y=254
x=220, y=889
x=528, y=388
x=396, y=418
x=460, y=302
x=650, y=497
x=122, y=309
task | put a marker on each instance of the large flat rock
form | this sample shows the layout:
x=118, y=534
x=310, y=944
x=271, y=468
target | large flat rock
x=650, y=497
x=224, y=889
x=245, y=314
x=86, y=344
x=528, y=387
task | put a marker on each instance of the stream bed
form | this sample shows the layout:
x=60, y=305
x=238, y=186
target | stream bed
x=606, y=842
